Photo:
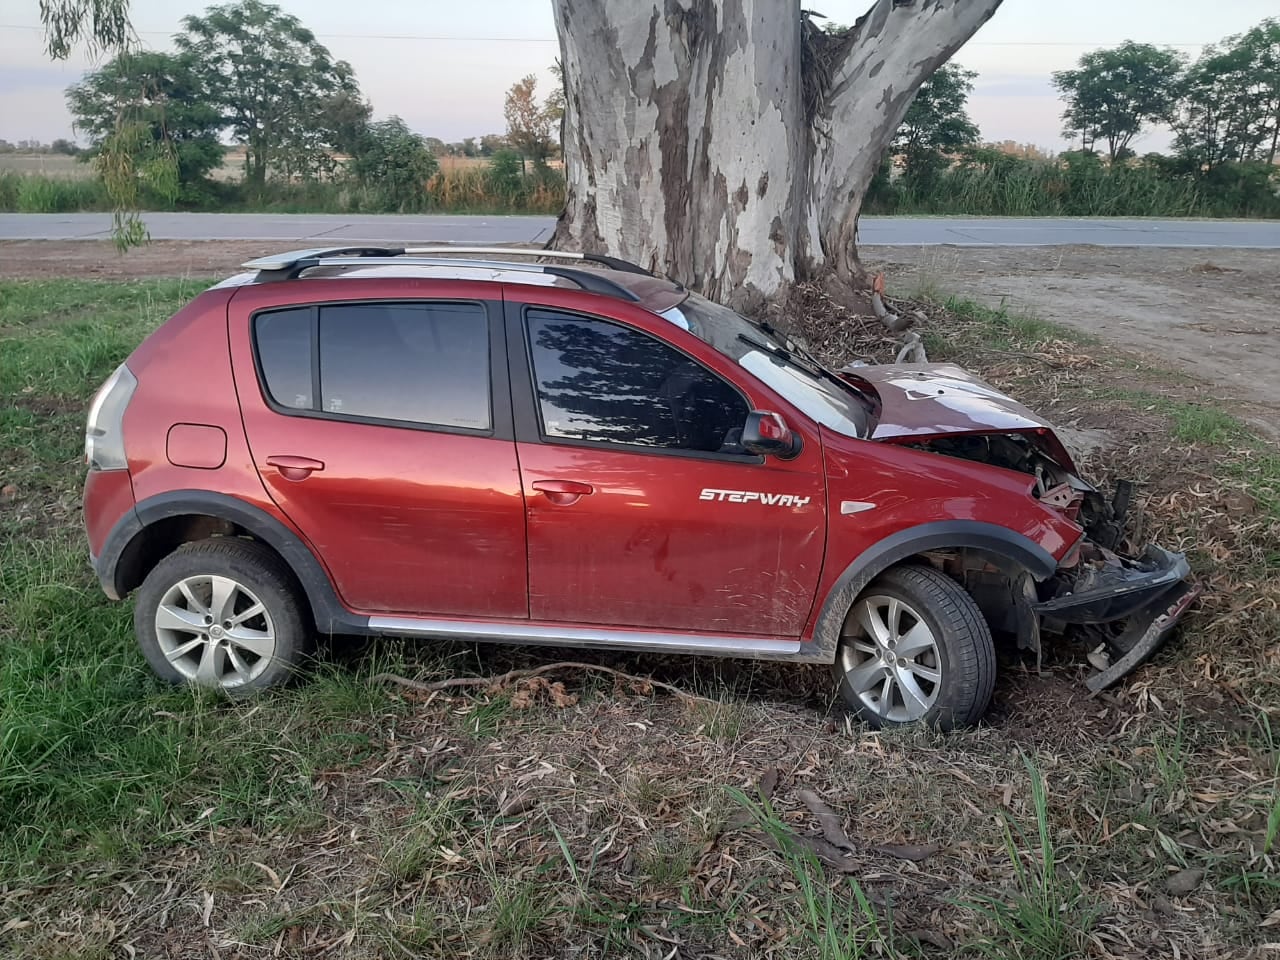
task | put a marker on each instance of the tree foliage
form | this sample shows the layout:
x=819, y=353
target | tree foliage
x=1230, y=110
x=162, y=99
x=394, y=164
x=530, y=124
x=281, y=92
x=1114, y=94
x=937, y=124
x=102, y=26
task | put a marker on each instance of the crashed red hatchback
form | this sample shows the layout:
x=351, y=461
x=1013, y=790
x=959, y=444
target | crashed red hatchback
x=452, y=442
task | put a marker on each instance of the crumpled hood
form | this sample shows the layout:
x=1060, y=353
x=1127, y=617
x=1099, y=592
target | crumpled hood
x=921, y=400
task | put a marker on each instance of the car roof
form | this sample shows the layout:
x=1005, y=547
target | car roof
x=512, y=265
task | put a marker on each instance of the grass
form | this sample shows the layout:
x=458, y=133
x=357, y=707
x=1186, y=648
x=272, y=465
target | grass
x=36, y=193
x=1001, y=328
x=472, y=189
x=96, y=757
x=341, y=813
x=991, y=184
x=988, y=185
x=836, y=920
x=1047, y=917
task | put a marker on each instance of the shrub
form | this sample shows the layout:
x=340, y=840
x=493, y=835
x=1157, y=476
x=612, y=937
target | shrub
x=393, y=165
x=39, y=194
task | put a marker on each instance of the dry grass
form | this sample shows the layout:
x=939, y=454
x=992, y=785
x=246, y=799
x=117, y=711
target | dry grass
x=597, y=817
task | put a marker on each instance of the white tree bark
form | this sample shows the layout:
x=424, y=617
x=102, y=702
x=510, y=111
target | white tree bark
x=727, y=143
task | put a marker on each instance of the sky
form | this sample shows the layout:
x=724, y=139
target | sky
x=445, y=65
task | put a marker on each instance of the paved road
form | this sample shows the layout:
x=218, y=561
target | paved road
x=887, y=231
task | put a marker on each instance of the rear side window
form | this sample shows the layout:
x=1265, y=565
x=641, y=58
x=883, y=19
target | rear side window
x=421, y=363
x=284, y=351
x=604, y=382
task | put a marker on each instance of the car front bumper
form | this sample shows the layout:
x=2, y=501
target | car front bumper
x=1131, y=605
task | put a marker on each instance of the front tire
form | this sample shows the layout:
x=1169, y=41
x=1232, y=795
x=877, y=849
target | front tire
x=222, y=614
x=915, y=648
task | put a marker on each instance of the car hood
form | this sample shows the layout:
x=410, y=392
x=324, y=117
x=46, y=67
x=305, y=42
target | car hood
x=922, y=400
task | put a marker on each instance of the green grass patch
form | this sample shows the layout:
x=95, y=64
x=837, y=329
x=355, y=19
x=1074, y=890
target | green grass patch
x=1190, y=422
x=1002, y=328
x=1047, y=917
x=1251, y=459
x=99, y=759
x=59, y=339
x=486, y=188
x=834, y=920
x=36, y=193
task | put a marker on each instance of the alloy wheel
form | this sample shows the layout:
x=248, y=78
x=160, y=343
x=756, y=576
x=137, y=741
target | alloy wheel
x=891, y=659
x=215, y=631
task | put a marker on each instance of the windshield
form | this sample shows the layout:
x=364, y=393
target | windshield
x=794, y=375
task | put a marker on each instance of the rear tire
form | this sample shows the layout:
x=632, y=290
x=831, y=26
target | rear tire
x=915, y=648
x=224, y=614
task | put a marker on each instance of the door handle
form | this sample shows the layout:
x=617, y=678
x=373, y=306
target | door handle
x=295, y=468
x=563, y=493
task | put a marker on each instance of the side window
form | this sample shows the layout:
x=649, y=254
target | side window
x=604, y=382
x=284, y=352
x=419, y=362
x=423, y=363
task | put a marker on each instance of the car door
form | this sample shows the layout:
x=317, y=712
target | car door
x=379, y=428
x=642, y=510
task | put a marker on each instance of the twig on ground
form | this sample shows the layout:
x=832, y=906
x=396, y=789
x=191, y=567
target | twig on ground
x=493, y=683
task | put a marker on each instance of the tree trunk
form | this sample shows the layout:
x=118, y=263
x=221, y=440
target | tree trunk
x=729, y=143
x=1275, y=137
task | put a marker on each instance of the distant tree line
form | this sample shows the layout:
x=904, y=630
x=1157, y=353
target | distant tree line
x=60, y=146
x=249, y=74
x=1224, y=110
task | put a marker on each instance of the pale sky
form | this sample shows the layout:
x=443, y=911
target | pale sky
x=444, y=65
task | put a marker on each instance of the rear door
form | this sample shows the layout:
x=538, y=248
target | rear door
x=643, y=510
x=380, y=428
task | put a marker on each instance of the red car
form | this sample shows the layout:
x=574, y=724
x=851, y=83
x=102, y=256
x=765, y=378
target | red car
x=565, y=449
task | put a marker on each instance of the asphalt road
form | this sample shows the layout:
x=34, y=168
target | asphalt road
x=887, y=231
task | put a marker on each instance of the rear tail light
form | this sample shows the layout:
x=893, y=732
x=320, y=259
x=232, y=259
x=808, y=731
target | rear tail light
x=104, y=433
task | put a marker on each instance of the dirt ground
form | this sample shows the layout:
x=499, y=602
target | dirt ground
x=1211, y=313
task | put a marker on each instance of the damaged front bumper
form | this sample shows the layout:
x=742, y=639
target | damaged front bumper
x=1129, y=605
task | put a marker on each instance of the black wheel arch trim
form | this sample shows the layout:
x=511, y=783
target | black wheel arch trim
x=893, y=549
x=328, y=612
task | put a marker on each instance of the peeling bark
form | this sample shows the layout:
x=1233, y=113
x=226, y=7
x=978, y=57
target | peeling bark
x=729, y=144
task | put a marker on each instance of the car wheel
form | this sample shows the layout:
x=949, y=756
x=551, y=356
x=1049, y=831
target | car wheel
x=223, y=614
x=915, y=648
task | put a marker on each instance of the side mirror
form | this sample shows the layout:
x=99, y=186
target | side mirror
x=767, y=434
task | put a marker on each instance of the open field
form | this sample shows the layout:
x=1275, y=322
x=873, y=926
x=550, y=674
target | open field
x=60, y=165
x=582, y=817
x=48, y=164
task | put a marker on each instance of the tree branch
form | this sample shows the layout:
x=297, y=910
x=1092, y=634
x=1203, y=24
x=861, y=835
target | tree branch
x=494, y=683
x=891, y=52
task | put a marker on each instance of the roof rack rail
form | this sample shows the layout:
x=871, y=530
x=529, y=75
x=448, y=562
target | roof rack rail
x=285, y=267
x=614, y=263
x=293, y=261
x=290, y=258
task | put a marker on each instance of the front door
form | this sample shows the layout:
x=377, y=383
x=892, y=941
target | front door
x=642, y=508
x=379, y=429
